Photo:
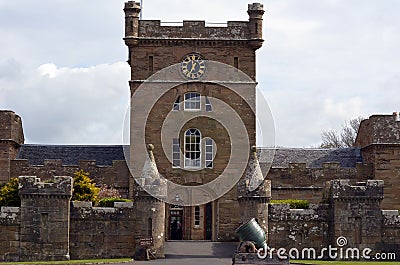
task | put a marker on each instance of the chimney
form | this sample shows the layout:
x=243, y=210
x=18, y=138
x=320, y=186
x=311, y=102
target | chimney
x=396, y=116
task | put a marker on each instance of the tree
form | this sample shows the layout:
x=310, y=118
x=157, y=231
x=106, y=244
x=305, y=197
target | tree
x=344, y=138
x=9, y=194
x=84, y=187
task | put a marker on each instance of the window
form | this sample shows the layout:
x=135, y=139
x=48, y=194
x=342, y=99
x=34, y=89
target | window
x=192, y=101
x=236, y=62
x=150, y=227
x=192, y=148
x=197, y=216
x=208, y=105
x=209, y=153
x=151, y=64
x=176, y=104
x=176, y=153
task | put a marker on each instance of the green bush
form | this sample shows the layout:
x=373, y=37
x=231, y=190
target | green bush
x=9, y=194
x=84, y=187
x=294, y=204
x=109, y=202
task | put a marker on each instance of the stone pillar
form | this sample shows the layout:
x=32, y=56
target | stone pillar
x=355, y=212
x=132, y=13
x=45, y=215
x=256, y=12
x=150, y=211
x=254, y=193
x=11, y=139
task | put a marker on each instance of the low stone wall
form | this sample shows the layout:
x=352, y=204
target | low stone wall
x=9, y=233
x=116, y=175
x=391, y=232
x=298, y=228
x=102, y=232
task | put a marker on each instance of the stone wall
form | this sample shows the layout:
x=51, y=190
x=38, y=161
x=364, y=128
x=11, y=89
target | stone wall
x=391, y=232
x=298, y=228
x=44, y=233
x=355, y=211
x=379, y=140
x=297, y=181
x=11, y=137
x=117, y=175
x=9, y=233
x=102, y=232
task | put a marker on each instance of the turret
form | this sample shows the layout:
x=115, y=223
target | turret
x=256, y=12
x=45, y=218
x=132, y=13
x=11, y=139
x=150, y=211
x=254, y=193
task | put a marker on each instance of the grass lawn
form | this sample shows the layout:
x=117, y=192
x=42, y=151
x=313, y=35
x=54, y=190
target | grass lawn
x=92, y=261
x=320, y=262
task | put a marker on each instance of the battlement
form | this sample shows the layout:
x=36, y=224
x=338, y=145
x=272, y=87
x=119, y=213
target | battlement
x=191, y=29
x=86, y=211
x=11, y=127
x=343, y=189
x=379, y=129
x=282, y=212
x=9, y=215
x=256, y=7
x=391, y=218
x=132, y=4
x=32, y=186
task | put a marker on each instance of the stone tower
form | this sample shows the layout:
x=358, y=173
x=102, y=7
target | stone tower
x=356, y=212
x=379, y=140
x=256, y=12
x=182, y=61
x=45, y=212
x=150, y=211
x=11, y=138
x=254, y=193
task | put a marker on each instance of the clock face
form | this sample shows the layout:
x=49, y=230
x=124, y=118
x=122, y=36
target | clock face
x=193, y=66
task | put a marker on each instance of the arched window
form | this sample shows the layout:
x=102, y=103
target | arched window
x=192, y=148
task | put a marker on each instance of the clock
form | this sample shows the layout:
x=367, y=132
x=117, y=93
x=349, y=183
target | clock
x=193, y=66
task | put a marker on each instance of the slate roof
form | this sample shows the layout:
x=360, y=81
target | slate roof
x=347, y=157
x=71, y=154
x=104, y=155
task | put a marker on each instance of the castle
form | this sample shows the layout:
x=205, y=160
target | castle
x=182, y=73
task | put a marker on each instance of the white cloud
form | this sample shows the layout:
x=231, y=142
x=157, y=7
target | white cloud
x=323, y=62
x=71, y=105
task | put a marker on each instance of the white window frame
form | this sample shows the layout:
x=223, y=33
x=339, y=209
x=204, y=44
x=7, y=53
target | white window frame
x=209, y=153
x=190, y=148
x=191, y=98
x=176, y=106
x=176, y=153
x=208, y=105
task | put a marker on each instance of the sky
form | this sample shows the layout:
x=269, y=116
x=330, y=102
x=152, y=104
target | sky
x=63, y=63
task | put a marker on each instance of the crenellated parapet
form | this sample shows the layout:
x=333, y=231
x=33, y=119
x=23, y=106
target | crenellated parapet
x=45, y=217
x=283, y=213
x=342, y=189
x=115, y=175
x=33, y=186
x=9, y=216
x=391, y=218
x=155, y=32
